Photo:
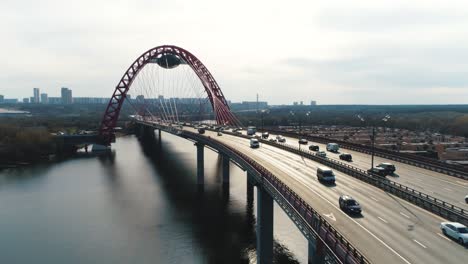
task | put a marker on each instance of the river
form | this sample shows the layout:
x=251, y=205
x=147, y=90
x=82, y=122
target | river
x=139, y=204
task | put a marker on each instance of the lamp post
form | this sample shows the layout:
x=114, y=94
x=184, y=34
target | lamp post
x=372, y=137
x=262, y=112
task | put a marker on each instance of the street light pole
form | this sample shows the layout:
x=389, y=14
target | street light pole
x=373, y=143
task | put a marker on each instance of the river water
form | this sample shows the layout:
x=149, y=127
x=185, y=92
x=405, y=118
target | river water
x=139, y=204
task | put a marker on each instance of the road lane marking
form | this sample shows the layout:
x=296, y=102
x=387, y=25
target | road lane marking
x=354, y=221
x=419, y=243
x=444, y=237
x=407, y=216
x=331, y=216
x=462, y=183
x=448, y=189
x=373, y=198
x=383, y=220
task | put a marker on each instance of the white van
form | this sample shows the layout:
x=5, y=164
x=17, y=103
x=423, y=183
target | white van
x=333, y=147
x=325, y=174
x=254, y=143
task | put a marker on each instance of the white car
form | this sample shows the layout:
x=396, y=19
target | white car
x=456, y=231
x=466, y=199
x=280, y=139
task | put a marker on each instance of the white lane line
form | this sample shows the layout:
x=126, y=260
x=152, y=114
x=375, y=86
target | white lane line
x=383, y=220
x=407, y=216
x=419, y=243
x=448, y=189
x=373, y=198
x=444, y=237
x=462, y=183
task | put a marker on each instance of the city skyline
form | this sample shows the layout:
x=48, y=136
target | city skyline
x=364, y=52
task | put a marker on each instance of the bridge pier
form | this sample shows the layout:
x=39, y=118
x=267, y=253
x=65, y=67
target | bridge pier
x=225, y=169
x=250, y=189
x=264, y=226
x=200, y=163
x=316, y=251
x=159, y=136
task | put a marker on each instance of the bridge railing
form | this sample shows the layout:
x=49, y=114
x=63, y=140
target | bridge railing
x=340, y=249
x=422, y=162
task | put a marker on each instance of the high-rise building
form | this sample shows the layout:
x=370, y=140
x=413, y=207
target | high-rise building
x=32, y=100
x=44, y=98
x=1, y=99
x=66, y=95
x=313, y=103
x=36, y=96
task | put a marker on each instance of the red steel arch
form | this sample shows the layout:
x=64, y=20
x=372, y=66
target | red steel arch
x=219, y=104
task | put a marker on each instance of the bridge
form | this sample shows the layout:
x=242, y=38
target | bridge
x=401, y=216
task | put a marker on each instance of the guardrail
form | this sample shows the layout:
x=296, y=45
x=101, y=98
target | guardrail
x=422, y=162
x=338, y=248
x=425, y=201
x=342, y=249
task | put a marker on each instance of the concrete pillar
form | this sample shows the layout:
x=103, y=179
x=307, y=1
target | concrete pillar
x=159, y=136
x=225, y=169
x=316, y=251
x=250, y=189
x=264, y=227
x=200, y=163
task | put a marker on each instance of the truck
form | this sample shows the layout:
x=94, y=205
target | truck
x=251, y=130
x=333, y=147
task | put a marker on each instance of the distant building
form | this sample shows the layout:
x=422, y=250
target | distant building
x=140, y=98
x=295, y=103
x=66, y=95
x=254, y=105
x=55, y=100
x=44, y=98
x=1, y=99
x=90, y=100
x=36, y=99
x=25, y=100
x=32, y=100
x=313, y=103
x=10, y=101
x=301, y=103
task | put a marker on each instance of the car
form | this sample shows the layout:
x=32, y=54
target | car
x=201, y=130
x=219, y=133
x=377, y=171
x=349, y=205
x=238, y=132
x=322, y=154
x=303, y=141
x=333, y=147
x=325, y=174
x=389, y=168
x=456, y=231
x=265, y=135
x=272, y=140
x=280, y=139
x=254, y=143
x=346, y=156
x=466, y=199
x=314, y=148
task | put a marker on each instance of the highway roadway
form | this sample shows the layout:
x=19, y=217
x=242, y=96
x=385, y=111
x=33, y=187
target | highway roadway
x=441, y=186
x=390, y=230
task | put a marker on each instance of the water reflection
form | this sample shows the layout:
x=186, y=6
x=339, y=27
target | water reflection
x=139, y=204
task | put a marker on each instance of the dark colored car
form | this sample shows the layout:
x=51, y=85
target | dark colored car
x=303, y=141
x=349, y=205
x=314, y=148
x=201, y=130
x=346, y=156
x=265, y=135
x=377, y=171
x=389, y=168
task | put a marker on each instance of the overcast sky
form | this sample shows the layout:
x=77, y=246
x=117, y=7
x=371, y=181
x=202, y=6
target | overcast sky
x=335, y=52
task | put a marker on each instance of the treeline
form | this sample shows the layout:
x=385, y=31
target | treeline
x=443, y=119
x=24, y=144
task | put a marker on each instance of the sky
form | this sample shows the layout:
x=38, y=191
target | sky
x=334, y=52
